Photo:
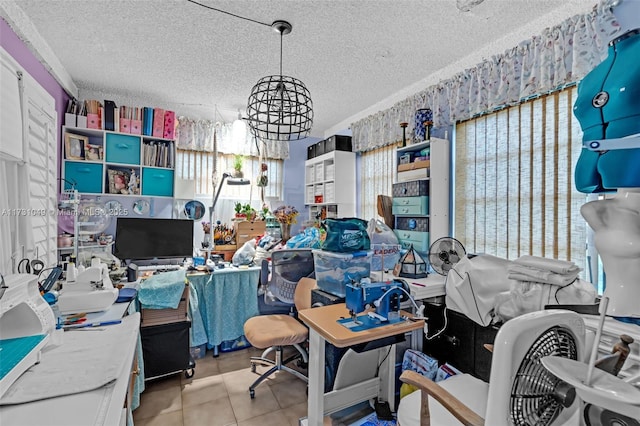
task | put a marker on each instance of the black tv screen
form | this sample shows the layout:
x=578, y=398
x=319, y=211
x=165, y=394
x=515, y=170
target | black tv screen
x=142, y=238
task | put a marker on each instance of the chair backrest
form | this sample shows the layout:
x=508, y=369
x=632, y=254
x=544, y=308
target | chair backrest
x=518, y=376
x=287, y=268
x=302, y=296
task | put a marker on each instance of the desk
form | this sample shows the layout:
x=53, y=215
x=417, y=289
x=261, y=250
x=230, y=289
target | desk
x=102, y=406
x=224, y=300
x=323, y=327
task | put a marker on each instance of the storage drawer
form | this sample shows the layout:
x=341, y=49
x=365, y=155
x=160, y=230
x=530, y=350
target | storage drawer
x=150, y=317
x=319, y=172
x=417, y=206
x=157, y=182
x=165, y=349
x=122, y=149
x=311, y=151
x=246, y=230
x=420, y=224
x=329, y=192
x=412, y=175
x=86, y=176
x=320, y=148
x=419, y=240
x=411, y=189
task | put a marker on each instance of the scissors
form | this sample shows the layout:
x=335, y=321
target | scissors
x=27, y=266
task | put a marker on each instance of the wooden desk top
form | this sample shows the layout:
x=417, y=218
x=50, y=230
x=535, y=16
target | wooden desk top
x=324, y=320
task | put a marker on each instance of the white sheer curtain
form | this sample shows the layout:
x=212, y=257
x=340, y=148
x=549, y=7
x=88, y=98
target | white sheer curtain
x=197, y=135
x=560, y=55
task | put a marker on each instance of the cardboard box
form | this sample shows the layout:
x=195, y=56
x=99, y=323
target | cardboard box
x=414, y=166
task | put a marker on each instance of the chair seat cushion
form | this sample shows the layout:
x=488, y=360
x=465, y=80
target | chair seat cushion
x=469, y=390
x=274, y=330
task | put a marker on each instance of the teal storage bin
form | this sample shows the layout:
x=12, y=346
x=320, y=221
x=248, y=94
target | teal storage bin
x=419, y=240
x=123, y=149
x=86, y=176
x=156, y=181
x=410, y=205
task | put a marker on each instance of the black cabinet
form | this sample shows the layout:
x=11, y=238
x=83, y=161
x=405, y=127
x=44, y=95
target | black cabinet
x=461, y=344
x=165, y=349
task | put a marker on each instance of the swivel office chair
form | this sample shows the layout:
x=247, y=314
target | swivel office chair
x=279, y=277
x=520, y=390
x=274, y=332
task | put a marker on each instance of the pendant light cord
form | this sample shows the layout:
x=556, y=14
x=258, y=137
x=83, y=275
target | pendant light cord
x=228, y=13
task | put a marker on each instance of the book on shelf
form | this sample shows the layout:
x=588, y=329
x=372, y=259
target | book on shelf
x=158, y=123
x=147, y=121
x=169, y=124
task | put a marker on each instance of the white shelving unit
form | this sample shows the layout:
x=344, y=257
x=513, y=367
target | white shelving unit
x=330, y=184
x=422, y=217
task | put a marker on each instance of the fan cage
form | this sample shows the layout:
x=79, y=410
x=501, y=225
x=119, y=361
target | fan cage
x=532, y=394
x=444, y=253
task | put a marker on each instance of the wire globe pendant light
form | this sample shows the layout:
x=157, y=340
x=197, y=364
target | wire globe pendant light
x=279, y=106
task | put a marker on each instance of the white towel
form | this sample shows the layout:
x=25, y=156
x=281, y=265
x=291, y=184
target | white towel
x=524, y=273
x=546, y=264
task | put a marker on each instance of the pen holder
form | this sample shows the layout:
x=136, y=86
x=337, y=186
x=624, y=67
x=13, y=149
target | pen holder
x=81, y=121
x=70, y=120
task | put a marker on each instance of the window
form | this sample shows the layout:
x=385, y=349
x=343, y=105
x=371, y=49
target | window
x=514, y=189
x=198, y=165
x=376, y=178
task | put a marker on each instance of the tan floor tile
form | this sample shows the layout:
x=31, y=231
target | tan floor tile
x=203, y=390
x=229, y=364
x=163, y=382
x=289, y=393
x=169, y=419
x=218, y=412
x=295, y=412
x=276, y=418
x=244, y=407
x=207, y=366
x=238, y=382
x=153, y=403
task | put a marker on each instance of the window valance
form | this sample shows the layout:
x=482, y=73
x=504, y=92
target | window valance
x=560, y=55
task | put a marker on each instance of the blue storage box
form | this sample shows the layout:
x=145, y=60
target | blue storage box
x=86, y=176
x=157, y=181
x=122, y=149
x=335, y=270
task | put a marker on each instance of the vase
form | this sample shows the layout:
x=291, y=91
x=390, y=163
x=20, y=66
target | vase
x=206, y=242
x=285, y=231
x=422, y=129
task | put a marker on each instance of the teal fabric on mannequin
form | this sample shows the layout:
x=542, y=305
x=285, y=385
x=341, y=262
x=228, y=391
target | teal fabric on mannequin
x=608, y=107
x=619, y=77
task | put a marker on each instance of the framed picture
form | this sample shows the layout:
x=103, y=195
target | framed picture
x=118, y=181
x=74, y=146
x=93, y=152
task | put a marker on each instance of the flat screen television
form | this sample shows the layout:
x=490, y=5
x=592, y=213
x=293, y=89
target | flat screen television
x=148, y=239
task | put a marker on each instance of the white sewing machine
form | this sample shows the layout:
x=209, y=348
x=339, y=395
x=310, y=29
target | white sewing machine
x=92, y=291
x=26, y=323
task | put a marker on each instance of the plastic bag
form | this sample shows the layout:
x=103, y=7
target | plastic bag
x=246, y=253
x=346, y=235
x=420, y=363
x=380, y=233
x=310, y=238
x=385, y=246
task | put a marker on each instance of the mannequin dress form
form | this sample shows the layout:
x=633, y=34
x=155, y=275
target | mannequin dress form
x=616, y=225
x=608, y=107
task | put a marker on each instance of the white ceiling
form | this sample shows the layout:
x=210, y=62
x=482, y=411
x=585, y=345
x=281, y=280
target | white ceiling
x=356, y=57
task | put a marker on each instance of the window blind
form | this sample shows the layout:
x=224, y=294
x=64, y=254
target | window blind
x=376, y=178
x=514, y=189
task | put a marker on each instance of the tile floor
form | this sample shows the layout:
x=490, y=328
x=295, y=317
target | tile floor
x=218, y=395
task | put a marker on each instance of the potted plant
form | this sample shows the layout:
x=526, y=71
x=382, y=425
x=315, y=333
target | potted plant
x=238, y=160
x=239, y=212
x=249, y=212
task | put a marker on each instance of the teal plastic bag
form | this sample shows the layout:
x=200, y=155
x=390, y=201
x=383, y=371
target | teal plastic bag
x=346, y=235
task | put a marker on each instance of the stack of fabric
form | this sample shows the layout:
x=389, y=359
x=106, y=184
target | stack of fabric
x=537, y=282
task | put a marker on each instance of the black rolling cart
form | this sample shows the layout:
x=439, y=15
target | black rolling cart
x=165, y=340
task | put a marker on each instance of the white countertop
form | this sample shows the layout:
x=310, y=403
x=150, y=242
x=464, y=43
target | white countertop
x=421, y=288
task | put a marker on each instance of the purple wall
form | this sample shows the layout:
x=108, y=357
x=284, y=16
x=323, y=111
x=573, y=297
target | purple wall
x=22, y=55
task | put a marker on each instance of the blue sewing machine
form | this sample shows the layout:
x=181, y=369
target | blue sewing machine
x=383, y=297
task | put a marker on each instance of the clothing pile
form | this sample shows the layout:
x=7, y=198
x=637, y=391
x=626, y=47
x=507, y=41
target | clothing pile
x=538, y=281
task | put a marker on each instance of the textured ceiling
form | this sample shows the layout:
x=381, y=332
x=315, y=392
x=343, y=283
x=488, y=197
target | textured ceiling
x=354, y=56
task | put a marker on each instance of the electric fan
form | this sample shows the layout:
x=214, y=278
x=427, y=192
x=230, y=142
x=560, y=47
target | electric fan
x=444, y=253
x=521, y=391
